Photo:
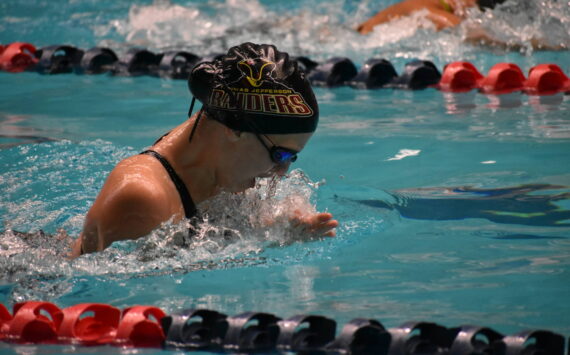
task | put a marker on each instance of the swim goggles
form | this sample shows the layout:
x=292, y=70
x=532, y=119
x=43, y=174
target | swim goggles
x=279, y=155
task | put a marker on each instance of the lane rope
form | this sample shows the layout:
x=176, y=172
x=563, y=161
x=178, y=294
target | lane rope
x=502, y=78
x=93, y=324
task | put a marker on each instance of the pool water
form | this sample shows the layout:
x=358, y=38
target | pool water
x=453, y=208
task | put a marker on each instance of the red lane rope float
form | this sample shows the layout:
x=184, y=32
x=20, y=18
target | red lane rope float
x=89, y=324
x=17, y=57
x=546, y=79
x=503, y=78
x=84, y=324
x=460, y=77
x=35, y=322
x=5, y=319
x=140, y=327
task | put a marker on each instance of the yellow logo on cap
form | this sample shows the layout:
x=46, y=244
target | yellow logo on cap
x=249, y=68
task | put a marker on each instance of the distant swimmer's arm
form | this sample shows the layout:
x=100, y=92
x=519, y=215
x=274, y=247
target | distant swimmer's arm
x=439, y=17
x=477, y=35
x=443, y=19
x=386, y=15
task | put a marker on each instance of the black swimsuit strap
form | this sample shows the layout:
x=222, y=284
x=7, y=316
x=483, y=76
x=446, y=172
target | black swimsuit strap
x=189, y=206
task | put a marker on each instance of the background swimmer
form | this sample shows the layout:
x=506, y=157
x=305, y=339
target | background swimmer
x=443, y=13
x=449, y=13
x=233, y=140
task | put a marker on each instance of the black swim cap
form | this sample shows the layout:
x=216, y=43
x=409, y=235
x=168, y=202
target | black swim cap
x=256, y=88
x=489, y=4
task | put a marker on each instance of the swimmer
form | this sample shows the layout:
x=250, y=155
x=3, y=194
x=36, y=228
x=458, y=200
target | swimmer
x=450, y=13
x=258, y=113
x=443, y=13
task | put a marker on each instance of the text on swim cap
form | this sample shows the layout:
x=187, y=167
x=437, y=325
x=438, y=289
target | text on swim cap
x=277, y=104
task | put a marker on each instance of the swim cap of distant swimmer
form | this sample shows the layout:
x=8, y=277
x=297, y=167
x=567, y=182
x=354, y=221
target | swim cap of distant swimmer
x=489, y=4
x=256, y=88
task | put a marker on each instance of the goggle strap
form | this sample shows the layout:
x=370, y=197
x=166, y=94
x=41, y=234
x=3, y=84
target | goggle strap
x=191, y=107
x=195, y=123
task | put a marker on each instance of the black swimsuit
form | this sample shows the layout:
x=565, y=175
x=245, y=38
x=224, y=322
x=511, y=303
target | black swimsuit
x=189, y=206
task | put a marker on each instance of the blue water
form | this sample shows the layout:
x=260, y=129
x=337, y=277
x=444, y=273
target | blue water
x=452, y=208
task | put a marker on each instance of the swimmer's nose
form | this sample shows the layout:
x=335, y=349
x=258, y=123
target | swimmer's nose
x=280, y=169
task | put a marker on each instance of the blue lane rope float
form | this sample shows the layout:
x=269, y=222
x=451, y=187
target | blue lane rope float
x=375, y=73
x=195, y=329
x=93, y=324
x=58, y=59
x=177, y=64
x=304, y=333
x=137, y=62
x=334, y=72
x=417, y=75
x=97, y=60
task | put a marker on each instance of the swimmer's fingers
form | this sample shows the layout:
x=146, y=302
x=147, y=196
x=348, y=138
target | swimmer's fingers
x=325, y=225
x=317, y=225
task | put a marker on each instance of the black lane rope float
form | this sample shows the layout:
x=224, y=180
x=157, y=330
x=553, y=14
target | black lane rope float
x=460, y=76
x=92, y=324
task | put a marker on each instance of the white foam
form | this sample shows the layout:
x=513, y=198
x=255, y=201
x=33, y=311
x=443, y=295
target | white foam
x=325, y=29
x=235, y=230
x=404, y=153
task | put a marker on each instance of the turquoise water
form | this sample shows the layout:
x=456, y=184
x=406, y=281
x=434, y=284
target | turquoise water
x=452, y=208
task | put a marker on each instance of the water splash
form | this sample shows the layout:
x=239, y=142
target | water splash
x=41, y=193
x=325, y=29
x=524, y=24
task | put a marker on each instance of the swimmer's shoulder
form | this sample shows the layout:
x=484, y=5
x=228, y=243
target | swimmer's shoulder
x=140, y=168
x=140, y=182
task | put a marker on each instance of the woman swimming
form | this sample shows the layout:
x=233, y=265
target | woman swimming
x=450, y=13
x=258, y=113
x=443, y=13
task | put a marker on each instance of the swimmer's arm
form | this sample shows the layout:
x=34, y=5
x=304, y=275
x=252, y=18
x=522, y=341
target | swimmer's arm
x=478, y=36
x=439, y=17
x=132, y=212
x=76, y=248
x=386, y=15
x=443, y=19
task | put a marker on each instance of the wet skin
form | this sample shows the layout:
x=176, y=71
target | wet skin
x=139, y=195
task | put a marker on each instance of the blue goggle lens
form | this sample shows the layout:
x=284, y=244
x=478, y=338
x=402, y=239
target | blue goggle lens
x=283, y=156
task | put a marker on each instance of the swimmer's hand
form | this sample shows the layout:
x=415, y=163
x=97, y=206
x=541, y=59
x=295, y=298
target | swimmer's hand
x=315, y=225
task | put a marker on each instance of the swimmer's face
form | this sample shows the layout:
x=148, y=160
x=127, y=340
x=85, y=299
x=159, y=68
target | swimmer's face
x=252, y=159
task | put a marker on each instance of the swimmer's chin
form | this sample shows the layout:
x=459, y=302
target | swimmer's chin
x=241, y=188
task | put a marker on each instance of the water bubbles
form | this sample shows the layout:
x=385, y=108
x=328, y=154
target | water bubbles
x=234, y=229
